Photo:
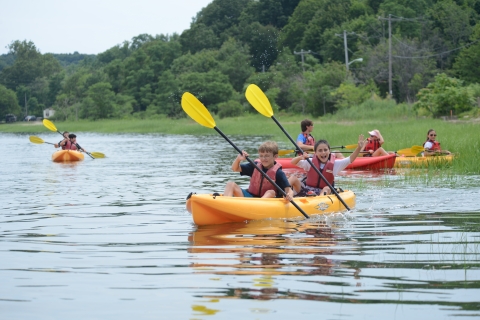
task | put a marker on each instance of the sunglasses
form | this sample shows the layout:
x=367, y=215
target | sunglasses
x=432, y=135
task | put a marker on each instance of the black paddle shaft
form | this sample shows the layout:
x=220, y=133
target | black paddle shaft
x=310, y=162
x=261, y=171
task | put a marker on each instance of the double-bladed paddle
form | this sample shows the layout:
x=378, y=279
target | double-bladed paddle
x=411, y=152
x=50, y=126
x=260, y=102
x=38, y=140
x=198, y=112
x=283, y=152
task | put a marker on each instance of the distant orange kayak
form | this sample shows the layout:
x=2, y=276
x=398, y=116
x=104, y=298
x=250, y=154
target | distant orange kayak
x=67, y=155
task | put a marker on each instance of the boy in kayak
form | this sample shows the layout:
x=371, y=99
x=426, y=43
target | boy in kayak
x=306, y=141
x=432, y=146
x=259, y=186
x=73, y=143
x=63, y=142
x=314, y=184
x=374, y=145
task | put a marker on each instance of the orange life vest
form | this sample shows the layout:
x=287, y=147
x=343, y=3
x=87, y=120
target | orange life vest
x=259, y=184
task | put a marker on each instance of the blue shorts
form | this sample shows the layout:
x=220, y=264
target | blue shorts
x=247, y=194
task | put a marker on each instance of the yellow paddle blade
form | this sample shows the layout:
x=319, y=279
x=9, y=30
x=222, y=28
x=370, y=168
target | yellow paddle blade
x=35, y=139
x=49, y=124
x=285, y=152
x=197, y=111
x=351, y=146
x=418, y=149
x=97, y=155
x=411, y=152
x=259, y=100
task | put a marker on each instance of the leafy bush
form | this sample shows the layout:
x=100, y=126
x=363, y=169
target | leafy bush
x=443, y=95
x=230, y=108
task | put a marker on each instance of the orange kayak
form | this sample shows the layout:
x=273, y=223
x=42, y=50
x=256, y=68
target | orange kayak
x=216, y=209
x=67, y=155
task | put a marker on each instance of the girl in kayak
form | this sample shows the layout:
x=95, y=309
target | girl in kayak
x=260, y=187
x=314, y=184
x=374, y=145
x=432, y=146
x=63, y=142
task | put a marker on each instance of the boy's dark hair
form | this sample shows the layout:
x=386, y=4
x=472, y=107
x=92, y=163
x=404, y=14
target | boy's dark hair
x=71, y=135
x=306, y=123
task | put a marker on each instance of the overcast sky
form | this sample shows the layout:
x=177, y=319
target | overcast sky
x=91, y=26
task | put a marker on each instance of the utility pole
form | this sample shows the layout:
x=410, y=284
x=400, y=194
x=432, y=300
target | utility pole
x=390, y=50
x=345, y=46
x=26, y=105
x=302, y=53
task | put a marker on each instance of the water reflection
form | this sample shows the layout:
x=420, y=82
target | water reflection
x=269, y=247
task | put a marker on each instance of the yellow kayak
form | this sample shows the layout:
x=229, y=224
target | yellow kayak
x=408, y=162
x=67, y=155
x=216, y=209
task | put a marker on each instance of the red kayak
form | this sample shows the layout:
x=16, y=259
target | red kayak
x=360, y=163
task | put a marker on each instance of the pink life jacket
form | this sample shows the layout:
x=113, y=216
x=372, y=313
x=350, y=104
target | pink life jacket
x=435, y=146
x=309, y=141
x=314, y=180
x=259, y=184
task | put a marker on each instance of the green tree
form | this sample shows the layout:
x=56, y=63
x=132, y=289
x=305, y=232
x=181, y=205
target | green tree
x=211, y=87
x=443, y=95
x=29, y=64
x=467, y=65
x=234, y=62
x=99, y=103
x=293, y=31
x=198, y=38
x=8, y=102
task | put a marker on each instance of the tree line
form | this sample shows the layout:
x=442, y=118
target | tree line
x=427, y=52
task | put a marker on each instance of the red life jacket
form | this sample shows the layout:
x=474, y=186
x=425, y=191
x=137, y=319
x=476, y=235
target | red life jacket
x=314, y=180
x=372, y=145
x=73, y=146
x=67, y=145
x=435, y=146
x=259, y=184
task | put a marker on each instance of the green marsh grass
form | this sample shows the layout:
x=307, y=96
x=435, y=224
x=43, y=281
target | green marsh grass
x=459, y=137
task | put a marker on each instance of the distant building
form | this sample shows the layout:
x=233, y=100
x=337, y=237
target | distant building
x=47, y=113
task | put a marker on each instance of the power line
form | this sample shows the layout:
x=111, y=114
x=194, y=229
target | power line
x=438, y=54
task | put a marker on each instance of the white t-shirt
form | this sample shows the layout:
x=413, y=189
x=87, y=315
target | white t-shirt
x=428, y=145
x=339, y=165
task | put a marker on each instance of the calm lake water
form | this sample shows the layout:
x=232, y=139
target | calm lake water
x=111, y=239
